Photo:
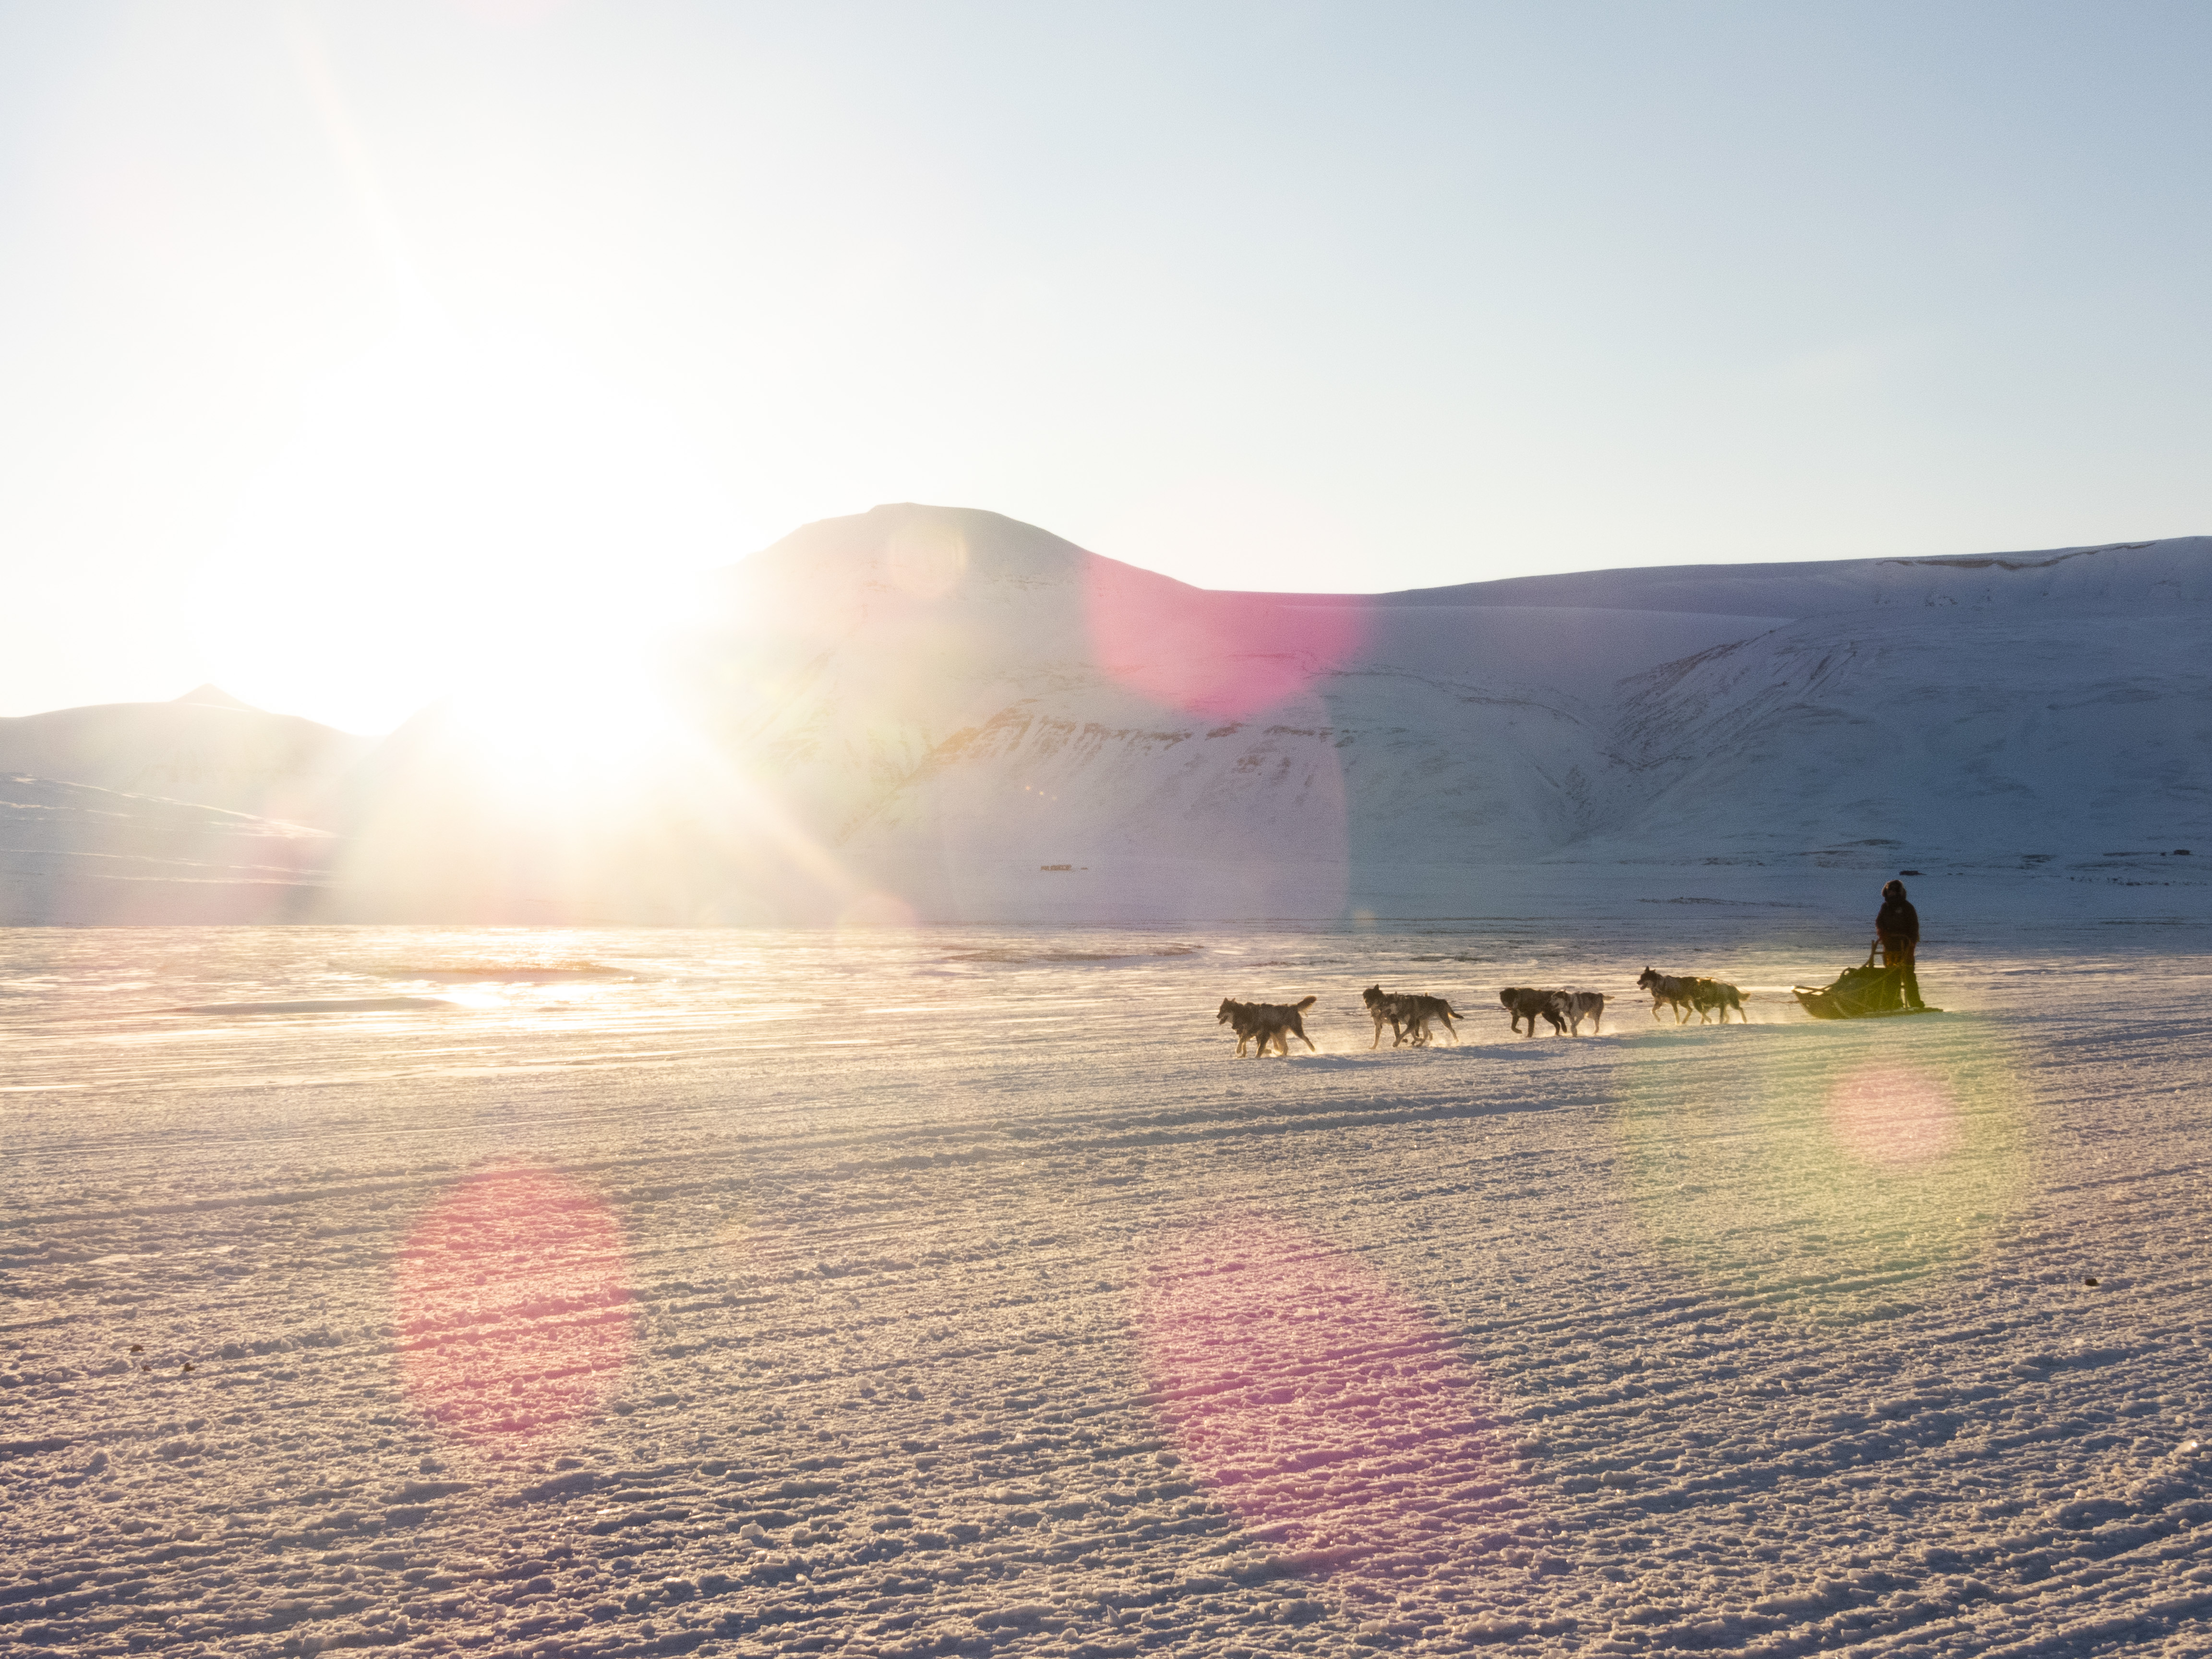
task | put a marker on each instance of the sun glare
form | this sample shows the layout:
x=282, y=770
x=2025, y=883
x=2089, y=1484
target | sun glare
x=543, y=717
x=456, y=511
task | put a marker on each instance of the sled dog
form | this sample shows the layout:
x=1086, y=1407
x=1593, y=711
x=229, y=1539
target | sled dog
x=1680, y=995
x=1711, y=994
x=1407, y=1014
x=1269, y=1022
x=1527, y=1002
x=1585, y=1005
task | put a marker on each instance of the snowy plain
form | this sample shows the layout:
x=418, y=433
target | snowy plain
x=954, y=1289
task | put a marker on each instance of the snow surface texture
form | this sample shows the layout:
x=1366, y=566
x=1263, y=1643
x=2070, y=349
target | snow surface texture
x=74, y=852
x=944, y=714
x=908, y=1292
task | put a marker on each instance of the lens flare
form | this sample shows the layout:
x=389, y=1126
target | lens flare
x=1814, y=1172
x=1314, y=1399
x=514, y=1304
x=876, y=910
x=1223, y=656
x=1893, y=1115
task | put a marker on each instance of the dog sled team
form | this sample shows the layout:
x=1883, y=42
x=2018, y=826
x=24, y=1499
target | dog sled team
x=1409, y=1014
x=1859, y=992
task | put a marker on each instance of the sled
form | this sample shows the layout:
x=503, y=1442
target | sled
x=1863, y=993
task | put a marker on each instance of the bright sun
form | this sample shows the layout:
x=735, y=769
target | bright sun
x=590, y=714
x=460, y=514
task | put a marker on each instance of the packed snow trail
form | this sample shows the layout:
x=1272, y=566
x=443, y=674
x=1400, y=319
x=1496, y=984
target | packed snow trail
x=956, y=1289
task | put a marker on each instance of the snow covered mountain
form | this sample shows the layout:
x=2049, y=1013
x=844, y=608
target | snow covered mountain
x=945, y=714
x=980, y=719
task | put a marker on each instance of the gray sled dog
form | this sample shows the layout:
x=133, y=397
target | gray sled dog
x=1585, y=1005
x=1713, y=993
x=1690, y=994
x=1269, y=1022
x=1408, y=1013
x=1668, y=992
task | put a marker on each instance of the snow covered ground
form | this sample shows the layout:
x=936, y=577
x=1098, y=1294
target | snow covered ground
x=956, y=1289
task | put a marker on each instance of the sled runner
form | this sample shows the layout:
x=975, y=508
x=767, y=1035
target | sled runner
x=1863, y=993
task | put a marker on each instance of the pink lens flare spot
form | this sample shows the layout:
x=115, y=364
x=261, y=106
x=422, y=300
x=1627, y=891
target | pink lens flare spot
x=876, y=910
x=1313, y=1398
x=513, y=1303
x=1894, y=1116
x=1223, y=656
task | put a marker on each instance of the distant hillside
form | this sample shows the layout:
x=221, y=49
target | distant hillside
x=948, y=715
x=206, y=748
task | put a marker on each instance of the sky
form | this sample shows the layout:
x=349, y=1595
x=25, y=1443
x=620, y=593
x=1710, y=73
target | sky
x=399, y=331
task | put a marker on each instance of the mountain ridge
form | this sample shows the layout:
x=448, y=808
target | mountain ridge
x=945, y=714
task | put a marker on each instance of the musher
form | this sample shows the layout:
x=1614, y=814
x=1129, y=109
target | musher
x=1896, y=931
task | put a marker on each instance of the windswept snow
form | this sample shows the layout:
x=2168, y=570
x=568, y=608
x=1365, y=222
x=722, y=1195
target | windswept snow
x=954, y=1290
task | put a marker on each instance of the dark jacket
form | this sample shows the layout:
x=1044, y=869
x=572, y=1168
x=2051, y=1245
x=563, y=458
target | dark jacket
x=1898, y=922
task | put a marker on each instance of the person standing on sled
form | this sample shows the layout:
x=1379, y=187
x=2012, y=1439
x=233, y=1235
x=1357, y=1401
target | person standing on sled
x=1896, y=931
